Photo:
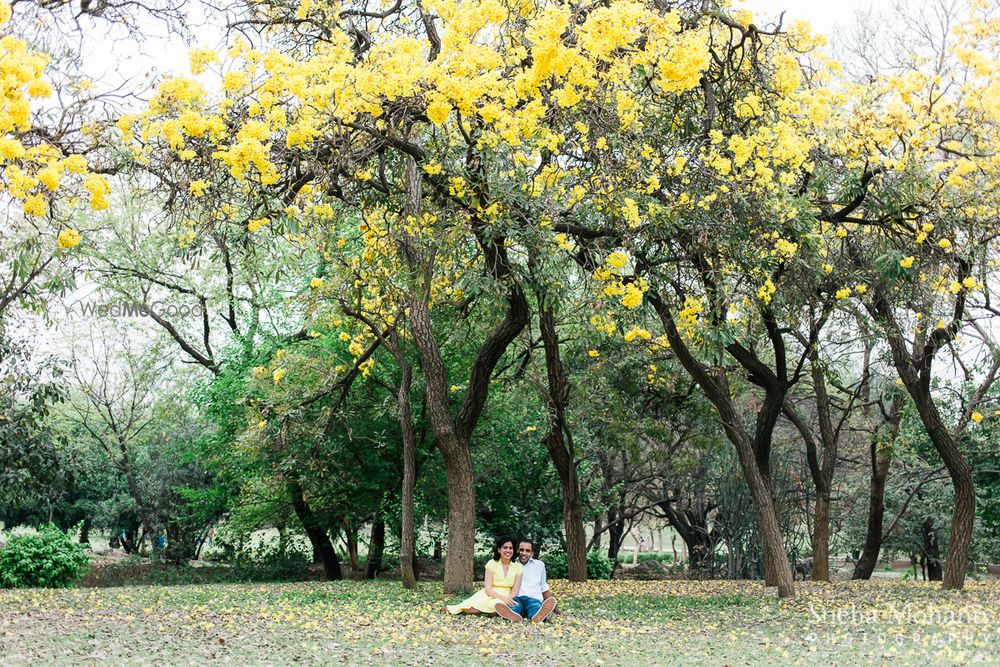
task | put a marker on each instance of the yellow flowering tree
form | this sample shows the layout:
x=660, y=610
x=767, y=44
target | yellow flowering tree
x=910, y=172
x=42, y=180
x=449, y=128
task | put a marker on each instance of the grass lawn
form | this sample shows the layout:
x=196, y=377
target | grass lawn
x=607, y=622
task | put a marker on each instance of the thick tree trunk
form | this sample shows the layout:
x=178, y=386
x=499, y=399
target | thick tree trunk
x=753, y=451
x=318, y=537
x=915, y=371
x=461, y=520
x=85, y=531
x=376, y=547
x=821, y=539
x=559, y=442
x=454, y=433
x=777, y=571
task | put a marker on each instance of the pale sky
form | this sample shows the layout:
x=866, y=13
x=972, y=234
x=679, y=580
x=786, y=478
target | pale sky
x=115, y=59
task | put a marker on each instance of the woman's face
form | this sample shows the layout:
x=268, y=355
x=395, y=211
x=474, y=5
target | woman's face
x=507, y=550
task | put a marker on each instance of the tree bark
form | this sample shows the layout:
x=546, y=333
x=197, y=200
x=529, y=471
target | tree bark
x=915, y=371
x=318, y=537
x=453, y=434
x=880, y=458
x=407, y=547
x=932, y=550
x=376, y=547
x=351, y=538
x=753, y=451
x=559, y=442
x=85, y=531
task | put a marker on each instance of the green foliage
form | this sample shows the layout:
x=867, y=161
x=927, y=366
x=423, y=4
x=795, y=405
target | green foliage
x=272, y=562
x=598, y=565
x=47, y=559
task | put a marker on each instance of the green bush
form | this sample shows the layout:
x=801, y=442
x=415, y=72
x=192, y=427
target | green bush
x=48, y=559
x=269, y=562
x=651, y=556
x=557, y=566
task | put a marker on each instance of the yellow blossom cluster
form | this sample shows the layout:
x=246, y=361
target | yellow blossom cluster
x=31, y=171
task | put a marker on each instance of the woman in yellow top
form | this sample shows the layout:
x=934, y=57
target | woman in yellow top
x=503, y=582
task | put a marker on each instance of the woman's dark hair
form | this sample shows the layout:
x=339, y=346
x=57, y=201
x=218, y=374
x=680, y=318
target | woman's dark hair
x=502, y=540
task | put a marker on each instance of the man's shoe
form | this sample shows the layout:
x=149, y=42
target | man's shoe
x=548, y=605
x=508, y=613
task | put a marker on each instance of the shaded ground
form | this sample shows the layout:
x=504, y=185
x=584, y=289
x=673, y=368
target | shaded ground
x=608, y=622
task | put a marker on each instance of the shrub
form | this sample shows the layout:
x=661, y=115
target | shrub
x=48, y=559
x=269, y=562
x=557, y=566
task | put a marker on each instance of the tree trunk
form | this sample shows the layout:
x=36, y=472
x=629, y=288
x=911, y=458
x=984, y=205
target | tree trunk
x=821, y=539
x=85, y=531
x=876, y=513
x=407, y=538
x=692, y=526
x=376, y=547
x=559, y=442
x=777, y=571
x=351, y=539
x=461, y=520
x=753, y=451
x=616, y=528
x=318, y=537
x=454, y=433
x=915, y=371
x=596, y=540
x=932, y=550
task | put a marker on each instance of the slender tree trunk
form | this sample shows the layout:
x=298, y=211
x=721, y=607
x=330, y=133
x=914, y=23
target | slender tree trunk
x=376, y=547
x=318, y=537
x=133, y=489
x=932, y=550
x=915, y=371
x=881, y=455
x=407, y=546
x=559, y=442
x=351, y=538
x=615, y=529
x=453, y=434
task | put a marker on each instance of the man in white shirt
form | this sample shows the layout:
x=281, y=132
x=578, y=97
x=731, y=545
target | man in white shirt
x=535, y=600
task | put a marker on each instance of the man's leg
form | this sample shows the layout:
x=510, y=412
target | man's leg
x=529, y=605
x=547, y=605
x=512, y=612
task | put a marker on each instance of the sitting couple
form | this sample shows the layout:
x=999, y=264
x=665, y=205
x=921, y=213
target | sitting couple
x=515, y=589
